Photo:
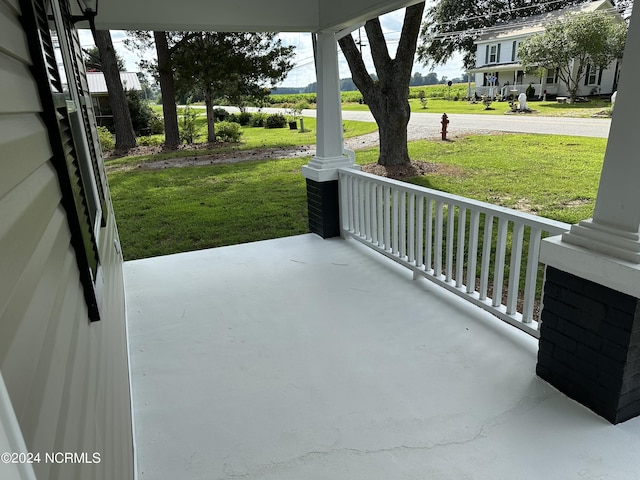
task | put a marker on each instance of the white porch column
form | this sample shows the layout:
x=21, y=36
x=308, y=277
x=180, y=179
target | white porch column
x=612, y=236
x=322, y=171
x=590, y=334
x=329, y=140
x=615, y=226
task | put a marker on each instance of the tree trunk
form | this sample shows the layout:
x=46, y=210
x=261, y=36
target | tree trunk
x=388, y=97
x=211, y=121
x=392, y=118
x=125, y=136
x=167, y=88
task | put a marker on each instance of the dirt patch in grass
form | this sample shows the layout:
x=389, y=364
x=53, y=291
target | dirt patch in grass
x=233, y=154
x=414, y=169
x=578, y=202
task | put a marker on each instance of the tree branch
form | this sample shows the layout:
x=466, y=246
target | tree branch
x=361, y=77
x=409, y=36
x=379, y=50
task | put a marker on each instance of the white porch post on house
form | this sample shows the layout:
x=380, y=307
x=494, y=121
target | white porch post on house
x=322, y=171
x=590, y=334
x=329, y=139
x=609, y=244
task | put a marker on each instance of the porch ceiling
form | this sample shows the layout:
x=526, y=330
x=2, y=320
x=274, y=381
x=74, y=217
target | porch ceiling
x=306, y=358
x=241, y=15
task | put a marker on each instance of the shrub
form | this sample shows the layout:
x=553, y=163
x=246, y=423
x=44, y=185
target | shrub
x=107, y=142
x=244, y=118
x=258, y=119
x=156, y=124
x=233, y=118
x=141, y=113
x=150, y=140
x=188, y=128
x=423, y=99
x=276, y=120
x=228, y=131
x=220, y=114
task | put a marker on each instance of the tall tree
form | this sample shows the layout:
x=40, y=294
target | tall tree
x=573, y=45
x=452, y=25
x=232, y=65
x=93, y=62
x=163, y=71
x=168, y=90
x=388, y=97
x=125, y=136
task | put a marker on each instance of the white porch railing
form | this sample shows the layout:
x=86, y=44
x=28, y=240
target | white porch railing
x=466, y=246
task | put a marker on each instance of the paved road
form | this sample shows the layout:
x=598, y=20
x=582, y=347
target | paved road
x=462, y=123
x=525, y=123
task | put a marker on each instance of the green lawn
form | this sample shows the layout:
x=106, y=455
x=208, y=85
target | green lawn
x=160, y=212
x=547, y=109
x=549, y=175
x=180, y=209
x=256, y=137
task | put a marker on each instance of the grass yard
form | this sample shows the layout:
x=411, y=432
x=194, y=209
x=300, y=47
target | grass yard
x=254, y=137
x=173, y=210
x=180, y=209
x=547, y=109
x=549, y=175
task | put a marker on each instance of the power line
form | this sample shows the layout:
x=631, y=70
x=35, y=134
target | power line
x=501, y=27
x=500, y=12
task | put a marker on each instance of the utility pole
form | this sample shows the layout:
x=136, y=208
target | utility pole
x=359, y=42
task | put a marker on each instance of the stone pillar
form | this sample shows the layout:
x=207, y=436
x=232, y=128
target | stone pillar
x=321, y=172
x=590, y=334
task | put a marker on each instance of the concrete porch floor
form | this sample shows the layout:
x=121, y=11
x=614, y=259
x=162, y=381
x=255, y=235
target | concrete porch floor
x=302, y=358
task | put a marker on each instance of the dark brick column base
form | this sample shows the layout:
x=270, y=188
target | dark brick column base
x=590, y=345
x=324, y=208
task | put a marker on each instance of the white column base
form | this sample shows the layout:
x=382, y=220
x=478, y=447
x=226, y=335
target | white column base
x=326, y=169
x=609, y=271
x=605, y=239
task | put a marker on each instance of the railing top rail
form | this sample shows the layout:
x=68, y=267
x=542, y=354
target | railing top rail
x=552, y=226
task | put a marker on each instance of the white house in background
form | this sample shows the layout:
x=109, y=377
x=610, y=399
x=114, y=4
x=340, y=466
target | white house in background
x=499, y=72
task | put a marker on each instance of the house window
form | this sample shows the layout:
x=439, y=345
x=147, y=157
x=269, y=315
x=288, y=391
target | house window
x=492, y=54
x=55, y=51
x=514, y=50
x=552, y=77
x=593, y=75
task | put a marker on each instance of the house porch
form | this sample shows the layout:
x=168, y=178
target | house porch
x=308, y=358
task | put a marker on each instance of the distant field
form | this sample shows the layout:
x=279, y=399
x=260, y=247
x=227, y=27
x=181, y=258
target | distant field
x=430, y=91
x=442, y=99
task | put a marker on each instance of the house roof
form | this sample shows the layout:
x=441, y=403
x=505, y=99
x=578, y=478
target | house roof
x=524, y=27
x=241, y=15
x=98, y=86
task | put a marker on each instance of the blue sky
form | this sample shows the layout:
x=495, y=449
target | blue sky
x=304, y=72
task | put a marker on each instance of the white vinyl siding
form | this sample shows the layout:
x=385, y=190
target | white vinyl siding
x=66, y=377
